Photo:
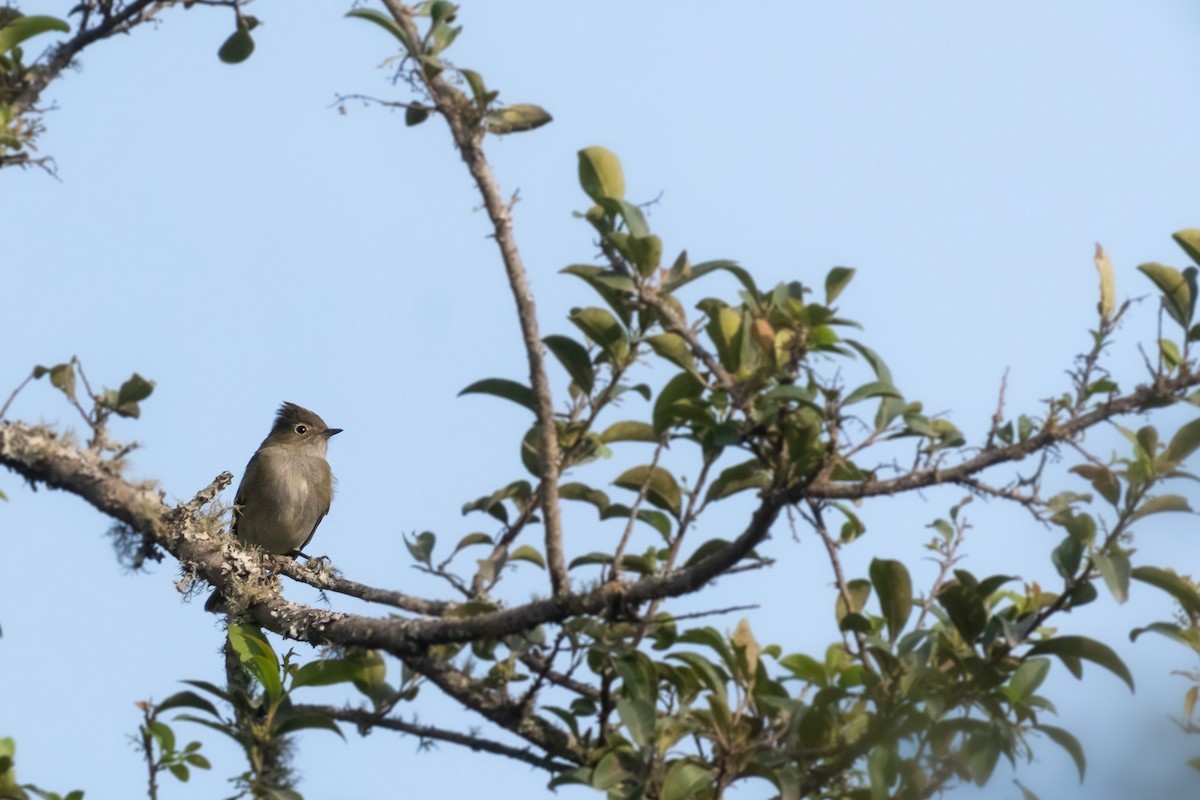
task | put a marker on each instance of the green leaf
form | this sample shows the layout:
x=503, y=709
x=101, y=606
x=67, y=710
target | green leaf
x=478, y=90
x=1185, y=442
x=873, y=389
x=314, y=720
x=674, y=348
x=238, y=47
x=684, y=780
x=163, y=733
x=646, y=252
x=1067, y=556
x=724, y=328
x=1172, y=584
x=589, y=559
x=679, y=390
x=323, y=672
x=894, y=587
x=600, y=174
x=22, y=28
x=853, y=527
x=442, y=11
x=965, y=608
x=258, y=657
x=700, y=270
x=574, y=358
x=881, y=771
x=415, y=115
x=635, y=221
x=472, y=539
x=527, y=553
x=585, y=493
x=125, y=400
x=637, y=716
x=1159, y=504
x=615, y=288
x=629, y=431
x=661, y=488
x=609, y=772
x=197, y=760
x=502, y=387
x=983, y=751
x=859, y=591
x=1028, y=677
x=421, y=547
x=1069, y=743
x=836, y=281
x=1103, y=481
x=516, y=118
x=187, y=699
x=384, y=21
x=1177, y=295
x=655, y=519
x=1114, y=568
x=747, y=475
x=603, y=329
x=62, y=377
x=1070, y=648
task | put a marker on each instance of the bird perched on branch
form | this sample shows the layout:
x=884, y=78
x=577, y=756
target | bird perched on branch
x=287, y=488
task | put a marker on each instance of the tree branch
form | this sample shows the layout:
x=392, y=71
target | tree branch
x=1165, y=391
x=468, y=137
x=365, y=720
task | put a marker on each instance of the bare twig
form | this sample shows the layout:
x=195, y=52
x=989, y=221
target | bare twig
x=615, y=569
x=13, y=396
x=365, y=721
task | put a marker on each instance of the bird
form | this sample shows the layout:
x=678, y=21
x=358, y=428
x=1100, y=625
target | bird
x=287, y=487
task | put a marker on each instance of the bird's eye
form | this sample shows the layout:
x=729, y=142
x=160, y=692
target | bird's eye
x=301, y=429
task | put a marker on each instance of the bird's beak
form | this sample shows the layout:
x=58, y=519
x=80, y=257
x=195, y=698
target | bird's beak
x=333, y=432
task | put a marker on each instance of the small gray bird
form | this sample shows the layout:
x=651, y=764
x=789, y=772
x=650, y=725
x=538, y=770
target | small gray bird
x=288, y=486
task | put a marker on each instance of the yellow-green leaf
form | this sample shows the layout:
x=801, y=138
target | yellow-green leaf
x=600, y=174
x=1185, y=442
x=674, y=348
x=1108, y=292
x=1189, y=240
x=1177, y=295
x=22, y=28
x=661, y=488
x=685, y=780
x=603, y=329
x=516, y=118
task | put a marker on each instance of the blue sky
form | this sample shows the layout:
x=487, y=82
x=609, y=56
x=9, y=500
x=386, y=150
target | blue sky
x=226, y=232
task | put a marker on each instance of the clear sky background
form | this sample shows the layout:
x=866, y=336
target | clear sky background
x=227, y=233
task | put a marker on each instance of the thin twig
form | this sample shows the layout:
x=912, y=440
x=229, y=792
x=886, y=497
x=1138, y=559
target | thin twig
x=365, y=721
x=468, y=137
x=615, y=569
